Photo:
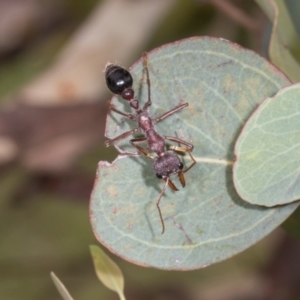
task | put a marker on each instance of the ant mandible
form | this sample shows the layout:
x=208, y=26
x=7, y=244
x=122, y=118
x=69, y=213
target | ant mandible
x=119, y=81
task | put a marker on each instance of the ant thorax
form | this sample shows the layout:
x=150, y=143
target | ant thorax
x=145, y=121
x=156, y=143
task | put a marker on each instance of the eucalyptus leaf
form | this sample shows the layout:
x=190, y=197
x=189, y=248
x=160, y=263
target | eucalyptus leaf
x=206, y=221
x=107, y=271
x=267, y=166
x=284, y=41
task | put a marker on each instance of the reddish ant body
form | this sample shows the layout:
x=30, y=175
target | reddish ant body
x=119, y=81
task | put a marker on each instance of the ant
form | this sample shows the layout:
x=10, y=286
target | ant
x=119, y=81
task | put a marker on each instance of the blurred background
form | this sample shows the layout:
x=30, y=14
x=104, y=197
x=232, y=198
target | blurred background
x=53, y=108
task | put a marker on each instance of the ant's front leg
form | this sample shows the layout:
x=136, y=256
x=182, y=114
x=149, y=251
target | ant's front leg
x=145, y=64
x=189, y=148
x=167, y=180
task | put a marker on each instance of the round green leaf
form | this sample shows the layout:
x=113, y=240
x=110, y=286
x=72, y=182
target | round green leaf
x=267, y=167
x=206, y=221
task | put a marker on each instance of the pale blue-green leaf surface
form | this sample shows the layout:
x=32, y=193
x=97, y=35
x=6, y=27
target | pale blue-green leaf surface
x=206, y=221
x=267, y=166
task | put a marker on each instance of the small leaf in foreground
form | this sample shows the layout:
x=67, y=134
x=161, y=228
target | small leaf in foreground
x=267, y=167
x=60, y=287
x=107, y=271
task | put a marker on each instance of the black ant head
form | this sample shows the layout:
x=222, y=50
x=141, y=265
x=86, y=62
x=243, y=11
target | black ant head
x=119, y=81
x=167, y=164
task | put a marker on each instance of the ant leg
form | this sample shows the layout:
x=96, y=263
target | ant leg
x=171, y=112
x=167, y=180
x=141, y=149
x=129, y=116
x=126, y=116
x=145, y=63
x=120, y=137
x=180, y=149
x=193, y=163
x=189, y=148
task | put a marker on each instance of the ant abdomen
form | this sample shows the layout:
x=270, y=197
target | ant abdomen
x=119, y=81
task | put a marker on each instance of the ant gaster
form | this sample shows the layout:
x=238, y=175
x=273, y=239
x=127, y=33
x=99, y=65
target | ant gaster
x=119, y=81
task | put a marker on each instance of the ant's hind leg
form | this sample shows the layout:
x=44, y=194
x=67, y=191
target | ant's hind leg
x=171, y=112
x=127, y=116
x=145, y=63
